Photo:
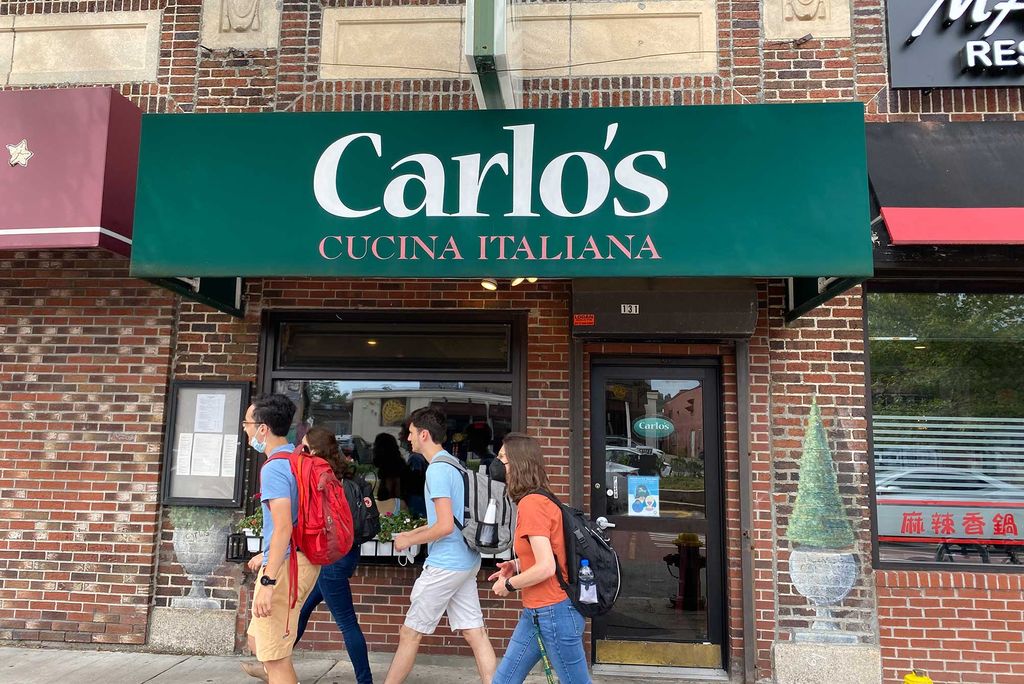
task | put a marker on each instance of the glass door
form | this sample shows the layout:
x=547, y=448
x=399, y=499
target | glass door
x=656, y=476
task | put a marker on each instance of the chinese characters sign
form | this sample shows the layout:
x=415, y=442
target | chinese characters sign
x=952, y=521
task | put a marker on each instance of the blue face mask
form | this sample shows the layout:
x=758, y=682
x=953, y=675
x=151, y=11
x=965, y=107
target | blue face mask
x=258, y=446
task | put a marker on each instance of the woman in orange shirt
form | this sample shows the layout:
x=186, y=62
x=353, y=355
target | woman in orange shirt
x=548, y=614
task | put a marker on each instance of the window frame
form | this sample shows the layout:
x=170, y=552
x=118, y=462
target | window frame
x=516, y=375
x=918, y=286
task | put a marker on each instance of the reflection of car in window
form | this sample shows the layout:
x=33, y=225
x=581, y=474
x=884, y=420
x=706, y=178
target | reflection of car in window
x=618, y=441
x=947, y=484
x=633, y=457
x=356, y=448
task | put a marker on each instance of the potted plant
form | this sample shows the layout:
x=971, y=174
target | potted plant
x=199, y=536
x=390, y=525
x=252, y=527
x=822, y=565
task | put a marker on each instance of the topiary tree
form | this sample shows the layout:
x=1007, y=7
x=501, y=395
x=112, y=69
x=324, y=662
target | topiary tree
x=819, y=519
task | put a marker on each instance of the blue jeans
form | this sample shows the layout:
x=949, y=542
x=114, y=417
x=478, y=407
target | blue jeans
x=332, y=587
x=561, y=627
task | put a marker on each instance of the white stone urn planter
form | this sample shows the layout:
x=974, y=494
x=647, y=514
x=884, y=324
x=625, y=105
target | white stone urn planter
x=200, y=551
x=825, y=577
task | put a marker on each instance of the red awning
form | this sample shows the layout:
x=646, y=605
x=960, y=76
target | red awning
x=69, y=174
x=948, y=183
x=955, y=225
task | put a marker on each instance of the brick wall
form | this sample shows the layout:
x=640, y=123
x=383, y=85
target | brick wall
x=786, y=361
x=958, y=626
x=821, y=356
x=84, y=356
x=212, y=345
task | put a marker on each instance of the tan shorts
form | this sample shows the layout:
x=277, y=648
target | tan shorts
x=439, y=591
x=275, y=635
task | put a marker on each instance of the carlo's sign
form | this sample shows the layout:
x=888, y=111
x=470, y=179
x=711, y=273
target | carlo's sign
x=625, y=192
x=425, y=176
x=957, y=43
x=653, y=426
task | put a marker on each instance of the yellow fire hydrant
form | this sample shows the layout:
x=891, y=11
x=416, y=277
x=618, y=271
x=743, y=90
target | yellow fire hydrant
x=917, y=677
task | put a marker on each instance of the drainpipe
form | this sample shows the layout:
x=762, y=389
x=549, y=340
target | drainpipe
x=577, y=487
x=746, y=510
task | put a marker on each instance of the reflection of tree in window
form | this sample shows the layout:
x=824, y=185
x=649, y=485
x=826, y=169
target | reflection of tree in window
x=948, y=354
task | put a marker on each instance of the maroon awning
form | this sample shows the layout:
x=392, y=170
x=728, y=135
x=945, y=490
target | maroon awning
x=68, y=179
x=948, y=183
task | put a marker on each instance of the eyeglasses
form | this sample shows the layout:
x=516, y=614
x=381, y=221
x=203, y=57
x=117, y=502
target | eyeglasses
x=251, y=422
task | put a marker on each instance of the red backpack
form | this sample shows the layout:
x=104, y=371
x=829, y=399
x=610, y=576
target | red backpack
x=324, y=529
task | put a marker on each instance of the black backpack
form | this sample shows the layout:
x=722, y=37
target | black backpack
x=584, y=540
x=365, y=516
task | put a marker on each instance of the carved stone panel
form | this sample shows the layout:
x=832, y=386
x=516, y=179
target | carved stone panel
x=415, y=41
x=558, y=39
x=80, y=47
x=790, y=19
x=6, y=47
x=241, y=24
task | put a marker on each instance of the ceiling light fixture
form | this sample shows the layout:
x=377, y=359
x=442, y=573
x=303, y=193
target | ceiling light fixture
x=517, y=281
x=372, y=343
x=489, y=284
x=531, y=280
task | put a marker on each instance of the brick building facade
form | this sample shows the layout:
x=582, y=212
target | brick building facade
x=87, y=352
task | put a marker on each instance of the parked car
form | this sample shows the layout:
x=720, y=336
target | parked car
x=632, y=457
x=947, y=484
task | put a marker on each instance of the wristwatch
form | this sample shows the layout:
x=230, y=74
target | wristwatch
x=508, y=585
x=267, y=582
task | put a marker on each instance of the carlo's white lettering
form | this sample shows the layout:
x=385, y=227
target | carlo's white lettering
x=473, y=173
x=325, y=177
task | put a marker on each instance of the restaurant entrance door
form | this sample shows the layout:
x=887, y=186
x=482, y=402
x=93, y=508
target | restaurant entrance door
x=656, y=471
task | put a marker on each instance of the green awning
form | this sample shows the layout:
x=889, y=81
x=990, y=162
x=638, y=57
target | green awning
x=740, y=191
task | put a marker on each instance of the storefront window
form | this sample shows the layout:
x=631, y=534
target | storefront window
x=361, y=375
x=947, y=383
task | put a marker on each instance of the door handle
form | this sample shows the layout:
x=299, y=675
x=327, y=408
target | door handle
x=603, y=524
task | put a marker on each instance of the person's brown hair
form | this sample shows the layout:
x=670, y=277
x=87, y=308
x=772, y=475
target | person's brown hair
x=323, y=443
x=525, y=471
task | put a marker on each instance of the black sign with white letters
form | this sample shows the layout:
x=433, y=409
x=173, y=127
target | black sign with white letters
x=956, y=43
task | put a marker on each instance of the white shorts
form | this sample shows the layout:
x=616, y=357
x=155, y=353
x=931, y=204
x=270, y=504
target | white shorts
x=438, y=591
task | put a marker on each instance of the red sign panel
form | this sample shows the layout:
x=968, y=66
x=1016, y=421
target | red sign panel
x=907, y=520
x=69, y=171
x=582, y=320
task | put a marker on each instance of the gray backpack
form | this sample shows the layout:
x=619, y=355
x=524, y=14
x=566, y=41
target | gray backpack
x=479, y=490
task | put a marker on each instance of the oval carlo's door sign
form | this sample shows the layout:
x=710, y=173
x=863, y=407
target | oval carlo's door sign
x=653, y=426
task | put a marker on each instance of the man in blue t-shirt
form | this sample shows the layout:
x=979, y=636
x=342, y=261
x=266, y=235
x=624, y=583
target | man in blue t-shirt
x=448, y=583
x=274, y=625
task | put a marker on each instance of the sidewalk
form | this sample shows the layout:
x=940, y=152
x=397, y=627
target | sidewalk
x=30, y=665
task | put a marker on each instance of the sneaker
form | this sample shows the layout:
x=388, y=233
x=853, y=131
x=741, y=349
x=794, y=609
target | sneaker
x=255, y=670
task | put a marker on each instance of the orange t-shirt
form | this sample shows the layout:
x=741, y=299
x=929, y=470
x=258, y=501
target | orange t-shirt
x=538, y=516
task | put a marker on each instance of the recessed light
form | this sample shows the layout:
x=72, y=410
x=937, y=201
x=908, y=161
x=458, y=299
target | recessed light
x=372, y=343
x=920, y=346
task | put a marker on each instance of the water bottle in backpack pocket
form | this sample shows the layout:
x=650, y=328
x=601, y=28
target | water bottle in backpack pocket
x=487, y=532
